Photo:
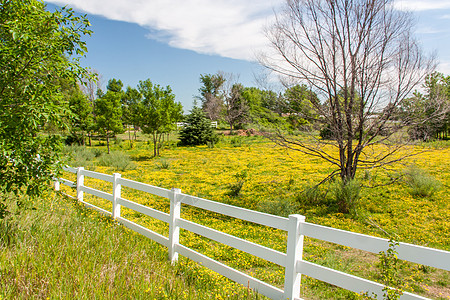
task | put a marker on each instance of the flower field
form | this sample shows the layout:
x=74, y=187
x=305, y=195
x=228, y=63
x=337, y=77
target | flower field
x=256, y=174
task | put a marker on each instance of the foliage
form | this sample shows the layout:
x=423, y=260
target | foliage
x=420, y=183
x=198, y=130
x=390, y=272
x=82, y=121
x=354, y=56
x=428, y=115
x=38, y=48
x=158, y=112
x=108, y=114
x=264, y=107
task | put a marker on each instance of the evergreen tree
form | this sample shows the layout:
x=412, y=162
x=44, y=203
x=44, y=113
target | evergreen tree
x=198, y=130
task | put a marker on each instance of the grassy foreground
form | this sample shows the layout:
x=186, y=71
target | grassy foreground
x=64, y=251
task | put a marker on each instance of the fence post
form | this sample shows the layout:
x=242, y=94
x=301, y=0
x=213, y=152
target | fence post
x=80, y=183
x=174, y=230
x=116, y=194
x=57, y=185
x=294, y=252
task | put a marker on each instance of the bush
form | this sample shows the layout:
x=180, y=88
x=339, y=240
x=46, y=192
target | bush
x=117, y=160
x=421, y=183
x=198, y=130
x=326, y=133
x=346, y=194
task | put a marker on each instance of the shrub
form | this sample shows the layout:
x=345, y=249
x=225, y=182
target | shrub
x=346, y=194
x=420, y=183
x=198, y=130
x=326, y=133
x=117, y=160
x=236, y=141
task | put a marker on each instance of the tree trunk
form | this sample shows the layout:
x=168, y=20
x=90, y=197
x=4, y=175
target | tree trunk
x=155, y=141
x=129, y=137
x=107, y=141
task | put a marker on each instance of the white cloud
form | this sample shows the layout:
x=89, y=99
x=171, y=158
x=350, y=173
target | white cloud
x=444, y=67
x=230, y=28
x=421, y=5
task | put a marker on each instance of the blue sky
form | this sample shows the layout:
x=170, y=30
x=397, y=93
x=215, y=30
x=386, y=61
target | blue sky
x=172, y=42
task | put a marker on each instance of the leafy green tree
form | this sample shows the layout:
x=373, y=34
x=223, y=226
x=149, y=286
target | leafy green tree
x=130, y=113
x=427, y=115
x=37, y=48
x=83, y=120
x=198, y=130
x=158, y=112
x=264, y=107
x=108, y=114
x=114, y=85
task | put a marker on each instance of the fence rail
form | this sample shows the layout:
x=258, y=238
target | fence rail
x=295, y=226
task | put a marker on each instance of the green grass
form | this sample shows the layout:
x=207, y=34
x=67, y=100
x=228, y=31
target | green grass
x=64, y=251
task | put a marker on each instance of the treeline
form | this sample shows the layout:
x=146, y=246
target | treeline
x=153, y=109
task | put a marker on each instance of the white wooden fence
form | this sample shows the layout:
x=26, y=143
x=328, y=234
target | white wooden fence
x=183, y=124
x=295, y=225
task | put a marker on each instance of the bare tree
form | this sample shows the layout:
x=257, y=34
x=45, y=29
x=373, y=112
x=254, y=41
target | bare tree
x=91, y=84
x=360, y=58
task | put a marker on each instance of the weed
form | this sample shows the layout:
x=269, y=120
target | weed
x=389, y=272
x=79, y=156
x=310, y=196
x=236, y=187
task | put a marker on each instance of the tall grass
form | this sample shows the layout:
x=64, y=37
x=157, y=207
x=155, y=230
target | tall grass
x=64, y=251
x=118, y=160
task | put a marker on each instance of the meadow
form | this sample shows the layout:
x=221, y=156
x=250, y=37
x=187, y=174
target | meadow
x=254, y=173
